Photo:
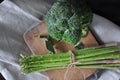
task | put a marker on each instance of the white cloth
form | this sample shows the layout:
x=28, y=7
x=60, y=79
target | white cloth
x=13, y=23
x=16, y=16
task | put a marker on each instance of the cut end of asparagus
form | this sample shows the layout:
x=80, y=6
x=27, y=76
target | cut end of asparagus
x=104, y=57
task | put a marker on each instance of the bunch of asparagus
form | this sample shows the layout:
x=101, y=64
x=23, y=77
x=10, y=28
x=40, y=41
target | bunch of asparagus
x=104, y=57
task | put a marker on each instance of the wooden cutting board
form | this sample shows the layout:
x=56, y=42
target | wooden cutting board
x=37, y=47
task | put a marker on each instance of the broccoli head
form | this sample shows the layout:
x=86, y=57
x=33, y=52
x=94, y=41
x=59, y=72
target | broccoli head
x=68, y=20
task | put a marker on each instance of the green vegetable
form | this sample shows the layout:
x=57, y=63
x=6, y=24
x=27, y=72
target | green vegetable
x=100, y=57
x=79, y=46
x=68, y=20
x=49, y=45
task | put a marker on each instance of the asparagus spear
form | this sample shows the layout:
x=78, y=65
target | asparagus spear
x=102, y=66
x=85, y=58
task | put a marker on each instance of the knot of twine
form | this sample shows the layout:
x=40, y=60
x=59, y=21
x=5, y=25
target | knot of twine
x=72, y=64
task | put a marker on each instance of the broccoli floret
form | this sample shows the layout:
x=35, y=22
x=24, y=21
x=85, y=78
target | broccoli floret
x=68, y=20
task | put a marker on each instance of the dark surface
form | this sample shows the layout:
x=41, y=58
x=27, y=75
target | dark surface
x=1, y=77
x=1, y=1
x=107, y=8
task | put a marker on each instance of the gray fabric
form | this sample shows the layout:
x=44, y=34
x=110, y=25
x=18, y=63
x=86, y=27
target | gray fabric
x=13, y=23
x=105, y=30
x=17, y=16
x=37, y=8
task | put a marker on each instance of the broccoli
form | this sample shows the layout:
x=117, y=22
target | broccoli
x=69, y=20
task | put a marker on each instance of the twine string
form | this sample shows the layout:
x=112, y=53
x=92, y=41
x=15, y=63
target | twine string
x=72, y=64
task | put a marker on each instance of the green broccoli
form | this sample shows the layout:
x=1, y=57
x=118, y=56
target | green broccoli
x=68, y=20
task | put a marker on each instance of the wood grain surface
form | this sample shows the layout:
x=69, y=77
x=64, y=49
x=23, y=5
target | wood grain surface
x=37, y=47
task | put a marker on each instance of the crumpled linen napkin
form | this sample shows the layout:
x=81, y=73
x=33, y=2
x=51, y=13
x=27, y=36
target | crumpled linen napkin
x=13, y=23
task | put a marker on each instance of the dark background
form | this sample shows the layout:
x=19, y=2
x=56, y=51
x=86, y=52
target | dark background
x=109, y=9
x=1, y=1
x=1, y=77
x=106, y=8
